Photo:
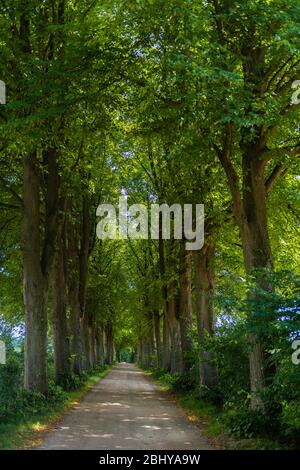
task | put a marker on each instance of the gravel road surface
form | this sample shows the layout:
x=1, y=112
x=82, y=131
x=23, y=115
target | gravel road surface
x=125, y=410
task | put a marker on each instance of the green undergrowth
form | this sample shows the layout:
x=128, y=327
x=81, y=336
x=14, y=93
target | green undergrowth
x=226, y=429
x=26, y=416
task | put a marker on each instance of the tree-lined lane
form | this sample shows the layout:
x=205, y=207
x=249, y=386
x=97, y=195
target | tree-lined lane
x=125, y=410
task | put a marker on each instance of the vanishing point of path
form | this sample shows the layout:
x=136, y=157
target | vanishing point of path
x=125, y=410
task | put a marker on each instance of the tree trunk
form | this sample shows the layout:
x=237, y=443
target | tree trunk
x=59, y=319
x=143, y=353
x=84, y=253
x=253, y=225
x=185, y=313
x=204, y=285
x=109, y=342
x=37, y=263
x=76, y=344
x=139, y=351
x=73, y=297
x=85, y=339
x=166, y=343
x=166, y=350
x=250, y=212
x=176, y=364
x=158, y=346
x=92, y=345
x=257, y=254
x=99, y=345
x=35, y=284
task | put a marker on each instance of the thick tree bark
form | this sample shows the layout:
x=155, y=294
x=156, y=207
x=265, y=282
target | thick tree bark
x=109, y=343
x=92, y=345
x=73, y=298
x=85, y=341
x=99, y=345
x=34, y=284
x=143, y=353
x=166, y=348
x=158, y=344
x=166, y=342
x=76, y=344
x=204, y=286
x=257, y=254
x=139, y=351
x=250, y=212
x=174, y=328
x=253, y=222
x=37, y=264
x=185, y=312
x=84, y=253
x=62, y=364
x=149, y=342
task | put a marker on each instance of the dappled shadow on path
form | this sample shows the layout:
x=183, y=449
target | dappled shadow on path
x=125, y=411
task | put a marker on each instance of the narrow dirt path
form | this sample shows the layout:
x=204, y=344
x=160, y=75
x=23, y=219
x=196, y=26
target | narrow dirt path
x=125, y=410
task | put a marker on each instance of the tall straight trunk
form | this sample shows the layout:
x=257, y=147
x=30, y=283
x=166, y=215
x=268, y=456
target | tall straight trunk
x=149, y=339
x=254, y=225
x=174, y=328
x=250, y=213
x=139, y=351
x=166, y=342
x=34, y=283
x=38, y=256
x=186, y=312
x=166, y=348
x=143, y=352
x=99, y=345
x=73, y=295
x=76, y=343
x=109, y=342
x=60, y=331
x=83, y=260
x=204, y=286
x=249, y=206
x=85, y=340
x=84, y=253
x=158, y=345
x=257, y=254
x=92, y=345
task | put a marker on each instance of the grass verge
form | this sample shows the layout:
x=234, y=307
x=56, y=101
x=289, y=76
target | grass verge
x=27, y=432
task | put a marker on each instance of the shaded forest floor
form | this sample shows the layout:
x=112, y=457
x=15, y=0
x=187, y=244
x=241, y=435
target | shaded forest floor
x=24, y=432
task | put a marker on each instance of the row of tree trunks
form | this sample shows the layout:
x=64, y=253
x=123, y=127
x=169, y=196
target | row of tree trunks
x=186, y=312
x=176, y=342
x=109, y=341
x=35, y=284
x=50, y=251
x=157, y=334
x=250, y=212
x=99, y=339
x=257, y=254
x=78, y=338
x=174, y=329
x=38, y=257
x=60, y=333
x=204, y=287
